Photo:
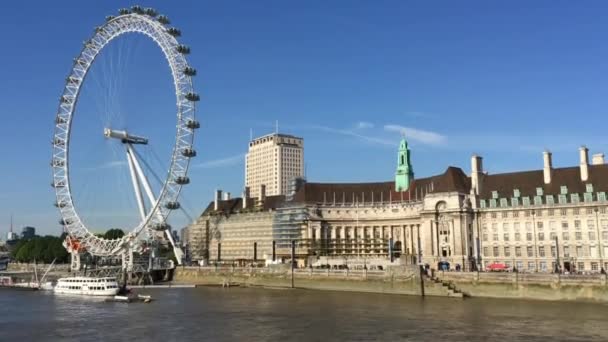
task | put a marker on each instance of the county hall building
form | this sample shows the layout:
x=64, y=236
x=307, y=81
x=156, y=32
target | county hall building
x=534, y=220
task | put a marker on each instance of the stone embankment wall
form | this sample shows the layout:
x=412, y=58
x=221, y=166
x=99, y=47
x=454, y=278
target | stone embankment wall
x=26, y=272
x=24, y=267
x=394, y=281
x=529, y=285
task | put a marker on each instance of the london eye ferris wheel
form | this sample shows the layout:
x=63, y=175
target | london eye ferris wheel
x=153, y=206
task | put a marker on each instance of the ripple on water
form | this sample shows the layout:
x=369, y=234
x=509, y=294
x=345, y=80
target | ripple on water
x=245, y=314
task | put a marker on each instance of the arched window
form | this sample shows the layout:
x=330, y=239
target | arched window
x=402, y=159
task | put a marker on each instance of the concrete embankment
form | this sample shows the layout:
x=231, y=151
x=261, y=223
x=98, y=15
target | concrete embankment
x=398, y=281
x=528, y=285
x=403, y=281
x=27, y=272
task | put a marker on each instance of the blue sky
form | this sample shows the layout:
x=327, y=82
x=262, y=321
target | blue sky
x=501, y=79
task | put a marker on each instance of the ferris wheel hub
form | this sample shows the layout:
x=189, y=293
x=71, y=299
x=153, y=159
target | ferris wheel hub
x=124, y=136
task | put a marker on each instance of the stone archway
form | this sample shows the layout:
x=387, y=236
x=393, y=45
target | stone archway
x=397, y=249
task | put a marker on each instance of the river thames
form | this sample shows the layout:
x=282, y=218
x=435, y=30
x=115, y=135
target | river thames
x=249, y=314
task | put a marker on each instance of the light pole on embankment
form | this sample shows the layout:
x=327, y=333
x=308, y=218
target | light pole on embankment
x=293, y=253
x=421, y=267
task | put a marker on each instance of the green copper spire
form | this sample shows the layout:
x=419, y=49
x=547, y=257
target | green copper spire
x=405, y=172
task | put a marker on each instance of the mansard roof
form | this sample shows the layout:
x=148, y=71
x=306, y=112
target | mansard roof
x=527, y=182
x=452, y=180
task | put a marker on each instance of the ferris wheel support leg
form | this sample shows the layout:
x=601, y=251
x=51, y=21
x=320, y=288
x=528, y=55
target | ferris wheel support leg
x=75, y=261
x=127, y=259
x=138, y=195
x=144, y=180
x=142, y=177
x=176, y=250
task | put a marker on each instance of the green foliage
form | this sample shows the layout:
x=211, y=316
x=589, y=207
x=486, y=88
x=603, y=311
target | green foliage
x=16, y=249
x=115, y=233
x=40, y=249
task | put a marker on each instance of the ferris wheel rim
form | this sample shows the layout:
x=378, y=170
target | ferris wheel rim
x=182, y=152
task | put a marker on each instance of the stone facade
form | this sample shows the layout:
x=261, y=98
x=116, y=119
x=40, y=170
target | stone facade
x=532, y=220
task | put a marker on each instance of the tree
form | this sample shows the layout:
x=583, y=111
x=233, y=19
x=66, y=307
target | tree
x=16, y=249
x=25, y=252
x=59, y=251
x=38, y=246
x=40, y=249
x=115, y=233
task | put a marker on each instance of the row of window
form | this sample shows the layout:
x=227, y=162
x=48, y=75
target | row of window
x=541, y=236
x=542, y=266
x=538, y=200
x=580, y=251
x=549, y=212
x=541, y=224
x=563, y=190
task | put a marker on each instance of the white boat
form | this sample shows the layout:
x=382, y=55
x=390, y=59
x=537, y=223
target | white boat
x=87, y=286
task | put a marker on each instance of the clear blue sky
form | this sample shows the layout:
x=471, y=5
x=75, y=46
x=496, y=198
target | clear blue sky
x=501, y=79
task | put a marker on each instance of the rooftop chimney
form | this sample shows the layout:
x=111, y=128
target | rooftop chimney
x=597, y=159
x=245, y=197
x=547, y=167
x=584, y=164
x=476, y=174
x=216, y=202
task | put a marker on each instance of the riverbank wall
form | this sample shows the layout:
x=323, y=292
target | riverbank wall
x=27, y=272
x=537, y=286
x=394, y=281
x=542, y=286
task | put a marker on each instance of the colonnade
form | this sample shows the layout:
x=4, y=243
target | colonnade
x=366, y=239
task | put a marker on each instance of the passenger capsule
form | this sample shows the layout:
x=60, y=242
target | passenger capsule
x=163, y=19
x=65, y=99
x=189, y=152
x=60, y=120
x=192, y=97
x=124, y=11
x=137, y=9
x=181, y=180
x=161, y=226
x=110, y=17
x=193, y=124
x=151, y=12
x=172, y=205
x=58, y=142
x=174, y=32
x=189, y=71
x=183, y=49
x=64, y=222
x=60, y=204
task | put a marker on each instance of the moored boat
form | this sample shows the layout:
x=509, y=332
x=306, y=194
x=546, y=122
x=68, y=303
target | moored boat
x=87, y=286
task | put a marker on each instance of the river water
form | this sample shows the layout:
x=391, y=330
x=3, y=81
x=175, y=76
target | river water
x=250, y=314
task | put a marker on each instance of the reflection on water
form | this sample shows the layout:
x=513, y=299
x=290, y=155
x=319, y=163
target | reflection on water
x=241, y=314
